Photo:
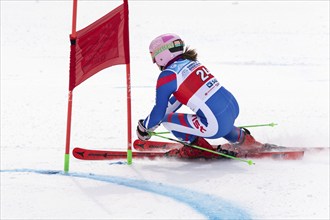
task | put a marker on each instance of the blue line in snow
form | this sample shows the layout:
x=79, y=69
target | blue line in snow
x=210, y=206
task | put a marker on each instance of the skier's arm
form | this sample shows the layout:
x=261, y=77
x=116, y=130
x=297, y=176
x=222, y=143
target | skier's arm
x=166, y=85
x=173, y=105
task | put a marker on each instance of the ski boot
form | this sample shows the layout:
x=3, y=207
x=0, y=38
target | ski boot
x=248, y=144
x=190, y=152
x=222, y=150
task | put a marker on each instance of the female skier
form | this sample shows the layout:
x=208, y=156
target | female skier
x=184, y=80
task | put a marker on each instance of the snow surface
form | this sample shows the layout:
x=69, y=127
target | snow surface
x=273, y=55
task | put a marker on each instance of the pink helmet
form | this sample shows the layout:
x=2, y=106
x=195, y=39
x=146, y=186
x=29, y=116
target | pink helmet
x=164, y=48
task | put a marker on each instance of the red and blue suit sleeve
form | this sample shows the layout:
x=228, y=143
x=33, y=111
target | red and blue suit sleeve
x=166, y=86
x=173, y=105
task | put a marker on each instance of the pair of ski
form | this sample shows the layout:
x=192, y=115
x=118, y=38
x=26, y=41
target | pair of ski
x=159, y=149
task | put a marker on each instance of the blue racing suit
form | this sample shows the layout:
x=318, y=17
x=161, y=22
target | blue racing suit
x=190, y=83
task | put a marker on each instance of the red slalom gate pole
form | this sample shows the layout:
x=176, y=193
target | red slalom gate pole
x=129, y=118
x=70, y=96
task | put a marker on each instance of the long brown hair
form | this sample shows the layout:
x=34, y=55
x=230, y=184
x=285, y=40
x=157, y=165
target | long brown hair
x=190, y=54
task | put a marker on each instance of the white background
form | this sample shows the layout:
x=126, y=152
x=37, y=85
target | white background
x=273, y=56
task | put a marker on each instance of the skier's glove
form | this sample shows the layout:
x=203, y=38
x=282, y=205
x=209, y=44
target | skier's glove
x=142, y=132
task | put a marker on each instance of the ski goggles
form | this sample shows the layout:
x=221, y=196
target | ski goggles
x=174, y=46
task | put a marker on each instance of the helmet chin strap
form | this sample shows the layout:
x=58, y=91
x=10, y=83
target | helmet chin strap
x=170, y=62
x=160, y=67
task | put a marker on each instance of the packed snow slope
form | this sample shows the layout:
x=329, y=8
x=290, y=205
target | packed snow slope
x=272, y=55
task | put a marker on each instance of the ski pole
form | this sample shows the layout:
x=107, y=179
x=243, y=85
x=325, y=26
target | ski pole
x=250, y=162
x=259, y=125
x=245, y=126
